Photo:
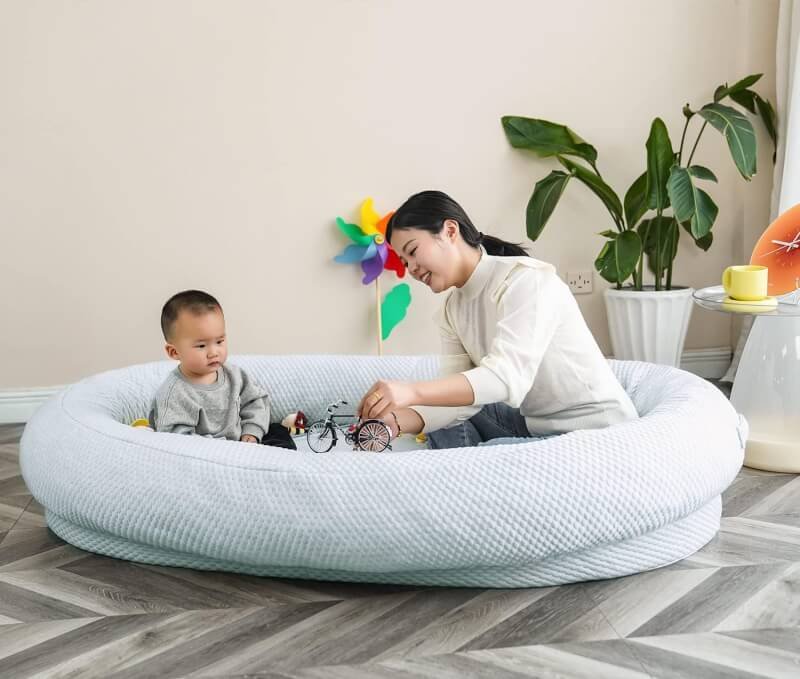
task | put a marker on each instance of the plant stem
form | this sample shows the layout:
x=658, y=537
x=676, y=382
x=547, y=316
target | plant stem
x=673, y=246
x=641, y=258
x=697, y=141
x=683, y=137
x=659, y=272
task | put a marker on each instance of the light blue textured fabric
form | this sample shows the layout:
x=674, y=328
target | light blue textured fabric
x=585, y=505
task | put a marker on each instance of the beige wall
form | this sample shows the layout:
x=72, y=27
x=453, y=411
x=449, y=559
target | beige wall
x=151, y=146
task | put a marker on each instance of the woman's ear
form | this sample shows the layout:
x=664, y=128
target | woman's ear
x=450, y=229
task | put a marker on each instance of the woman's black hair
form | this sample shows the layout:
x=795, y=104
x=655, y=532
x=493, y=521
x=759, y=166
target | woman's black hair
x=428, y=211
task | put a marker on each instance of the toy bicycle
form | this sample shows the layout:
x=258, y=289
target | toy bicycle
x=369, y=435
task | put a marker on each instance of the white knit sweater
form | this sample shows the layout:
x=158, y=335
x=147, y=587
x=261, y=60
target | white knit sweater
x=516, y=333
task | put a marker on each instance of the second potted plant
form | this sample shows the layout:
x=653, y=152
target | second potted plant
x=647, y=322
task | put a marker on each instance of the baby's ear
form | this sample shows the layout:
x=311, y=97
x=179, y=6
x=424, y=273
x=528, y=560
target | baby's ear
x=172, y=352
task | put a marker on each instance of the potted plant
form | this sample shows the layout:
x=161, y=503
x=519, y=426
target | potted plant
x=647, y=322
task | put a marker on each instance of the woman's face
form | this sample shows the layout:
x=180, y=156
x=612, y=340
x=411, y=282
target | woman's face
x=429, y=258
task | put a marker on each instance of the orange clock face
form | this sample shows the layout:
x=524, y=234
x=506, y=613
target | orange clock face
x=779, y=250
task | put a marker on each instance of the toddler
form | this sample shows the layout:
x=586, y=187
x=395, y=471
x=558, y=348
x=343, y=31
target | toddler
x=203, y=395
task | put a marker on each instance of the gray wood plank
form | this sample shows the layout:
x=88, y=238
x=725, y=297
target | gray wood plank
x=231, y=640
x=565, y=614
x=711, y=601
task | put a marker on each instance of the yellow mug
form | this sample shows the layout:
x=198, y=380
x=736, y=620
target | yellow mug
x=747, y=282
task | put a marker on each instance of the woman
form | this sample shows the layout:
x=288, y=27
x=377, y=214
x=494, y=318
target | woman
x=518, y=359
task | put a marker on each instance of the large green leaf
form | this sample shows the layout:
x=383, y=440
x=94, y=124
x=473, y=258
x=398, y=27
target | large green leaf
x=770, y=120
x=544, y=200
x=546, y=138
x=619, y=257
x=746, y=98
x=707, y=208
x=689, y=203
x=700, y=172
x=682, y=194
x=724, y=90
x=602, y=190
x=738, y=132
x=659, y=235
x=660, y=158
x=703, y=243
x=636, y=200
x=753, y=102
x=606, y=262
x=670, y=235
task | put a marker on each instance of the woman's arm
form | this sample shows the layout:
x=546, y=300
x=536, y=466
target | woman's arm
x=409, y=420
x=387, y=396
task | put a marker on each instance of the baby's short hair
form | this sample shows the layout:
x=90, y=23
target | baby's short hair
x=196, y=301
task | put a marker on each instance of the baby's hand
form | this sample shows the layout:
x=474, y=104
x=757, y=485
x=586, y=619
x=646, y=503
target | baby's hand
x=249, y=438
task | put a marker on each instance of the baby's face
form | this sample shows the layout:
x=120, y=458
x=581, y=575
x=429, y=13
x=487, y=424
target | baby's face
x=198, y=341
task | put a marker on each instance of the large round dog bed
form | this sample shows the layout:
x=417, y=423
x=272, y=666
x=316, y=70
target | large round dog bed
x=582, y=506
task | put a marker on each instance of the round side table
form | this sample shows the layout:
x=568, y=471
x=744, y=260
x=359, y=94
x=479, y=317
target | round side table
x=766, y=389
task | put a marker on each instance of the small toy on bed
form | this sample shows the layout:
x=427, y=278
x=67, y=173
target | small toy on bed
x=295, y=422
x=368, y=435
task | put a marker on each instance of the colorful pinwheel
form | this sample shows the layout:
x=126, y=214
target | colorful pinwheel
x=370, y=249
x=369, y=244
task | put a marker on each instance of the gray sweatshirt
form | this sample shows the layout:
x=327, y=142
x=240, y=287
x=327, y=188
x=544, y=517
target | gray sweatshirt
x=229, y=408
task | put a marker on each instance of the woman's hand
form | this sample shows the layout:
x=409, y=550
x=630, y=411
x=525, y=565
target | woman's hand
x=384, y=397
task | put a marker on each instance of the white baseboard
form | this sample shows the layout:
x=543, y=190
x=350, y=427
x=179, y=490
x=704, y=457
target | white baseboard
x=17, y=405
x=708, y=363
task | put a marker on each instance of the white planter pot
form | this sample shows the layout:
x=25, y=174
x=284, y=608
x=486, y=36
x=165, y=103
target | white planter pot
x=649, y=325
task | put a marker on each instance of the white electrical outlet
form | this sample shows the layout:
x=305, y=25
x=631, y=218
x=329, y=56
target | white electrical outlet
x=580, y=281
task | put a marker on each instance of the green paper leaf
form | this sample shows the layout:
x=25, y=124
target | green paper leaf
x=393, y=308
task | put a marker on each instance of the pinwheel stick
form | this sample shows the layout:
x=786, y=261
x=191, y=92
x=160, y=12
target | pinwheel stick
x=378, y=315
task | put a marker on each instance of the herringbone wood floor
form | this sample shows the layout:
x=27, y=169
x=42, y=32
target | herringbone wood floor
x=732, y=610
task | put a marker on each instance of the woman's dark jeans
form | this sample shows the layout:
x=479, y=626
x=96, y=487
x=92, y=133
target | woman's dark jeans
x=494, y=424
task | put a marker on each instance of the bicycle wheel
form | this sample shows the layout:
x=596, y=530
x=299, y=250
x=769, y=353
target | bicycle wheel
x=373, y=436
x=320, y=437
